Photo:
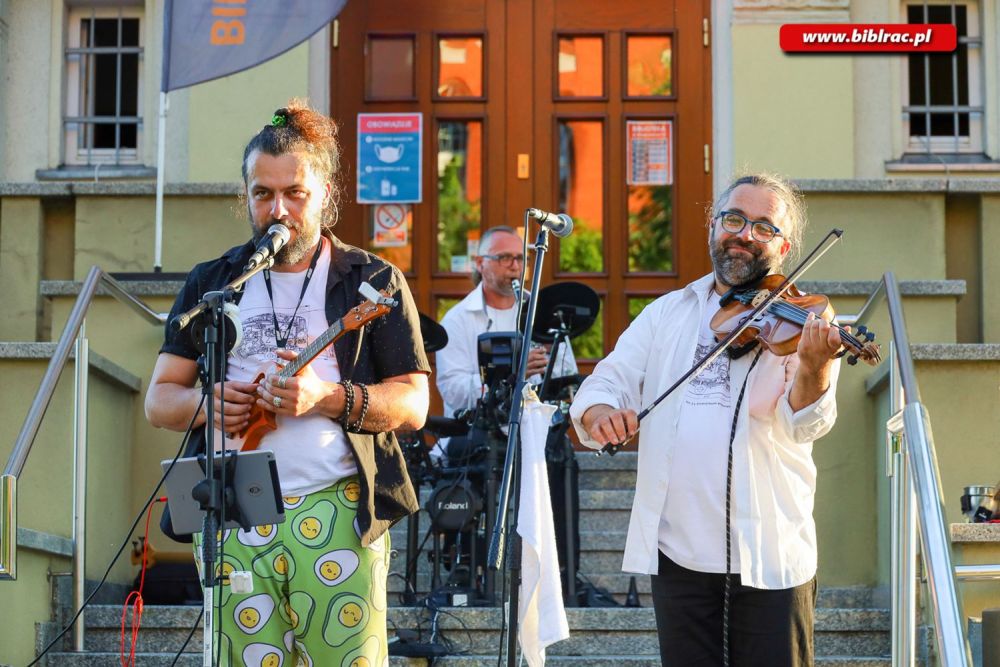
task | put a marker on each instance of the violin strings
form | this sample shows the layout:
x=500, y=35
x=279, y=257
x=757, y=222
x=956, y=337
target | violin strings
x=790, y=312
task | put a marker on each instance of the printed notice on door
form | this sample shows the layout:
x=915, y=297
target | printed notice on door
x=389, y=158
x=648, y=146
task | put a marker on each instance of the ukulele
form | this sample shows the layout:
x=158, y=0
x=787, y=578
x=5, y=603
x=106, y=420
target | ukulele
x=261, y=421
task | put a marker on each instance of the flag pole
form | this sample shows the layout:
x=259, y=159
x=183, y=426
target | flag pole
x=161, y=149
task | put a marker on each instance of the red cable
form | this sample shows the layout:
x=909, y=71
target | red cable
x=134, y=599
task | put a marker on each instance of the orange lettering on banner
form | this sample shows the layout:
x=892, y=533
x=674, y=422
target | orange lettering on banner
x=227, y=33
x=228, y=11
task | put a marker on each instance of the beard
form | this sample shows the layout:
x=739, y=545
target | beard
x=296, y=249
x=740, y=269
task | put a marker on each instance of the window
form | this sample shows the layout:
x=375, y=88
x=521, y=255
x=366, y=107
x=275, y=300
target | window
x=103, y=121
x=942, y=92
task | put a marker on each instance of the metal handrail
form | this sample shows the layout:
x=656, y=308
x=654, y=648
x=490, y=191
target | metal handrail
x=916, y=483
x=74, y=332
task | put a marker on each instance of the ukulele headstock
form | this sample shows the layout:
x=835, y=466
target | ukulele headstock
x=377, y=304
x=864, y=347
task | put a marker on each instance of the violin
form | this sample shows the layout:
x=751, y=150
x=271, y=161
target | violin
x=779, y=326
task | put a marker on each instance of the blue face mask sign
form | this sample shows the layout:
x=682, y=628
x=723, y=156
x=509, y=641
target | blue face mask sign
x=390, y=163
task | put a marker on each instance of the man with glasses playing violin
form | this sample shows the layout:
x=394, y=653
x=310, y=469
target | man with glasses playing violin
x=722, y=518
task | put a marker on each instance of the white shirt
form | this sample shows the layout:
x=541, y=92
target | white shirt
x=311, y=451
x=774, y=477
x=692, y=526
x=458, y=377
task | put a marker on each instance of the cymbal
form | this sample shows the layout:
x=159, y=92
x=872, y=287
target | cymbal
x=570, y=304
x=434, y=335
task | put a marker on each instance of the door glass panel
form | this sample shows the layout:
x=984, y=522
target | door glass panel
x=390, y=68
x=390, y=233
x=581, y=66
x=650, y=228
x=444, y=304
x=460, y=67
x=590, y=344
x=581, y=194
x=637, y=303
x=460, y=187
x=649, y=65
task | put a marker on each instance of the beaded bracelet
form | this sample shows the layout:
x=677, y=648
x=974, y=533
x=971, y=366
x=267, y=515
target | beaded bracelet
x=345, y=419
x=356, y=426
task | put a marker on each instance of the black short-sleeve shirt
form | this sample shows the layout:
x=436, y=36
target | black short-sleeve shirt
x=388, y=346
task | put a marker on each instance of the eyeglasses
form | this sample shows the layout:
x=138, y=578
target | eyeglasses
x=505, y=258
x=734, y=223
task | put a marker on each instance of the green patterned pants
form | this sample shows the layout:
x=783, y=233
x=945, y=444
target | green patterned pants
x=318, y=596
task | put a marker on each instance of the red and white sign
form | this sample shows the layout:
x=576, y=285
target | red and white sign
x=391, y=223
x=649, y=152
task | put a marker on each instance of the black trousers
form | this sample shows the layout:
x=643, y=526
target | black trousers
x=767, y=628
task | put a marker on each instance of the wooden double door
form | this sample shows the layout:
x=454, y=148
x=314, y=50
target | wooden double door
x=599, y=108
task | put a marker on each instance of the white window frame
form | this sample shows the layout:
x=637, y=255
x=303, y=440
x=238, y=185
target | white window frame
x=975, y=142
x=75, y=150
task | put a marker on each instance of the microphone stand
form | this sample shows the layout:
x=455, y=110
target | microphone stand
x=820, y=250
x=210, y=312
x=511, y=475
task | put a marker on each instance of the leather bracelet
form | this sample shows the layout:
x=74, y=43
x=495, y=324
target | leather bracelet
x=345, y=419
x=356, y=426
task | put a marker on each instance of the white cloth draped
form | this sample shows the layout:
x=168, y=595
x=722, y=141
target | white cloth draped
x=541, y=615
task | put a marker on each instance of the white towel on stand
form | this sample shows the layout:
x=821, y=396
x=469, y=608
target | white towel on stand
x=541, y=615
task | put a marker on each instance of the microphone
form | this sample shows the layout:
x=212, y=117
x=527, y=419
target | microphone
x=559, y=224
x=515, y=285
x=274, y=240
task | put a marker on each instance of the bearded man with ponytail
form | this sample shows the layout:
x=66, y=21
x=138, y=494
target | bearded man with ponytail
x=319, y=578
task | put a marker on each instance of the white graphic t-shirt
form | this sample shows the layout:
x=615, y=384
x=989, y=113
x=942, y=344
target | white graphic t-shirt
x=311, y=450
x=692, y=526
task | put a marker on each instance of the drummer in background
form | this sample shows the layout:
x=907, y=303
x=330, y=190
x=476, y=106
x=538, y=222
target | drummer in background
x=491, y=306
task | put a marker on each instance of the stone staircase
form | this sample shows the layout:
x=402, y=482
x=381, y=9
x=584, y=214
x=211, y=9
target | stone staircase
x=850, y=630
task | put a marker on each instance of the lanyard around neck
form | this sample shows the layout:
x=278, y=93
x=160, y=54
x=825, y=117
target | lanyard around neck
x=279, y=339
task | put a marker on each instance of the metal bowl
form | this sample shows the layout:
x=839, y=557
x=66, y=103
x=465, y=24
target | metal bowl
x=975, y=496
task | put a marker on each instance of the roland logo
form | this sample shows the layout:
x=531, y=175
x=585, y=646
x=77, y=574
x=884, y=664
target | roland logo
x=453, y=505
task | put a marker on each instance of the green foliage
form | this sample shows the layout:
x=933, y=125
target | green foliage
x=636, y=304
x=590, y=344
x=456, y=214
x=583, y=250
x=650, y=230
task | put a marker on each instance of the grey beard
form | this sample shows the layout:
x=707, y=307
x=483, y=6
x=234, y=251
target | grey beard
x=735, y=271
x=294, y=252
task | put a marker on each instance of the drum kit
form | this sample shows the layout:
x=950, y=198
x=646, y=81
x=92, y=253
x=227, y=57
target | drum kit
x=461, y=506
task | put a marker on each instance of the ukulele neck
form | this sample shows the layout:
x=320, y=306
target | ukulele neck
x=312, y=350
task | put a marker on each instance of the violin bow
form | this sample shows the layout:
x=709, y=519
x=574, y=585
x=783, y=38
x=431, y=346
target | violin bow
x=821, y=249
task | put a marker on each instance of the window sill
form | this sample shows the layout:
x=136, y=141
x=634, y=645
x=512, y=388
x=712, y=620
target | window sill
x=943, y=163
x=96, y=173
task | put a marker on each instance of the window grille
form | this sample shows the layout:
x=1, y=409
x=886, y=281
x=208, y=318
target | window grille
x=104, y=54
x=943, y=92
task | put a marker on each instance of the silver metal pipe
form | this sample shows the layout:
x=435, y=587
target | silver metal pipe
x=8, y=527
x=935, y=542
x=875, y=300
x=907, y=554
x=15, y=463
x=903, y=552
x=80, y=402
x=977, y=572
x=139, y=306
x=897, y=320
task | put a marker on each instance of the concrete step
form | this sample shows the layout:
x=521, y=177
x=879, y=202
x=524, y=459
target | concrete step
x=194, y=660
x=594, y=632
